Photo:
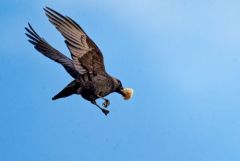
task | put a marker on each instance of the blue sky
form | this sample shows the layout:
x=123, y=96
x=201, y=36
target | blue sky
x=181, y=57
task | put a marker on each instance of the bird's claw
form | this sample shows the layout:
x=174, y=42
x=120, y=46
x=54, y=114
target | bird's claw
x=106, y=103
x=105, y=111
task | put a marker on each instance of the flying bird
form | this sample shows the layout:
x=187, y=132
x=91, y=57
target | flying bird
x=90, y=79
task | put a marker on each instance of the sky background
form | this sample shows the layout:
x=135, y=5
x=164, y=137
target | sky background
x=181, y=57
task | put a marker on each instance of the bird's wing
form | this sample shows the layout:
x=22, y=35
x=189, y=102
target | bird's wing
x=47, y=50
x=87, y=58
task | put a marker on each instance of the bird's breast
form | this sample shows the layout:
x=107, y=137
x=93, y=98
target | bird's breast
x=98, y=87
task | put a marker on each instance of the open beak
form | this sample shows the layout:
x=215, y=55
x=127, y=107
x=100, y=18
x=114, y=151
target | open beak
x=127, y=93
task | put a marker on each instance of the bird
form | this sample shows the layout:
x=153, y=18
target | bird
x=86, y=66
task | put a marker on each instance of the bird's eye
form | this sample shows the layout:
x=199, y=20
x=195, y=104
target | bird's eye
x=119, y=83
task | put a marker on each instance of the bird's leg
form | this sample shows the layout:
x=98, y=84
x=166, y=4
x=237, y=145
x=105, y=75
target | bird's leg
x=102, y=109
x=106, y=102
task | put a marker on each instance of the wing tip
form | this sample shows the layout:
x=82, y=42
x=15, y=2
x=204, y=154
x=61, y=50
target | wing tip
x=32, y=42
x=28, y=25
x=46, y=8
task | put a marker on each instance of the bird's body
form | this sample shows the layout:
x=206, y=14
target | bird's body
x=91, y=80
x=99, y=86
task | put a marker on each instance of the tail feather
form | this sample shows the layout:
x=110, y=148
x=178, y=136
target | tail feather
x=70, y=89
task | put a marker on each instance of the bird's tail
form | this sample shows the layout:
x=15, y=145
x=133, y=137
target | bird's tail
x=70, y=89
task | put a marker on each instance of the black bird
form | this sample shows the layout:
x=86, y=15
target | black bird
x=91, y=80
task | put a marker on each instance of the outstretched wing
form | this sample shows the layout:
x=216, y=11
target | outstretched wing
x=85, y=54
x=47, y=50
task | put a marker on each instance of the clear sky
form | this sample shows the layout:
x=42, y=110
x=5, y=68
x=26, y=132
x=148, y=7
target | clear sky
x=181, y=57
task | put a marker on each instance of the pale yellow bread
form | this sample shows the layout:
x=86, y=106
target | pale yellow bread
x=128, y=92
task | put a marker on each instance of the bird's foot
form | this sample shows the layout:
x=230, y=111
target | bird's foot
x=106, y=103
x=105, y=111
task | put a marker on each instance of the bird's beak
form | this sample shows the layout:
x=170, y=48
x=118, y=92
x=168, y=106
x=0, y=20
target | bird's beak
x=127, y=93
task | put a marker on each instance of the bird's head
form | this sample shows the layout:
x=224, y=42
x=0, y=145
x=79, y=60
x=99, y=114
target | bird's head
x=127, y=93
